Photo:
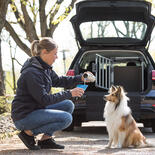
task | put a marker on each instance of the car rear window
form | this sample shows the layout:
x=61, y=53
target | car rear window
x=113, y=29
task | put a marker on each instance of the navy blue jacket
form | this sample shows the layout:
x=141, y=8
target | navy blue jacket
x=34, y=88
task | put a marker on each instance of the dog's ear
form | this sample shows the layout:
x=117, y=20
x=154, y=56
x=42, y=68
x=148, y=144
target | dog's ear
x=119, y=90
x=112, y=89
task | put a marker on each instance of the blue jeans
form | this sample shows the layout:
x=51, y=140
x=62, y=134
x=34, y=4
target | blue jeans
x=55, y=117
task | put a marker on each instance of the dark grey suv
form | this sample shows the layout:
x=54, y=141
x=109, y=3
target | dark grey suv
x=113, y=38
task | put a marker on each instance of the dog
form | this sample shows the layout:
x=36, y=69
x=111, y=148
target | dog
x=121, y=126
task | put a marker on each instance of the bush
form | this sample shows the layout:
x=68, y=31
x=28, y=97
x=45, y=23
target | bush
x=5, y=105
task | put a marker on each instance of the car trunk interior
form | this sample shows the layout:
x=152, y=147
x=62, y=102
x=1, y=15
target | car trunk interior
x=125, y=68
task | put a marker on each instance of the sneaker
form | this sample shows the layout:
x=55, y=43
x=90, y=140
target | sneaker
x=49, y=144
x=28, y=141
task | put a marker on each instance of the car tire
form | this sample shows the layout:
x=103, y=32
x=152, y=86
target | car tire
x=153, y=126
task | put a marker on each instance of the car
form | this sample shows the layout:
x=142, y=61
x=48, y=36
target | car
x=113, y=38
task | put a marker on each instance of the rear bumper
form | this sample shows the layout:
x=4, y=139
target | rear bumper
x=147, y=112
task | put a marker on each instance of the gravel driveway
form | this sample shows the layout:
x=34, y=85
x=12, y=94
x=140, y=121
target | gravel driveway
x=88, y=140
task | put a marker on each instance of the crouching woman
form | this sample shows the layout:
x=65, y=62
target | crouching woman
x=35, y=110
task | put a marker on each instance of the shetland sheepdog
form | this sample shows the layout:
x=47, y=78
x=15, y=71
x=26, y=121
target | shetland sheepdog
x=121, y=126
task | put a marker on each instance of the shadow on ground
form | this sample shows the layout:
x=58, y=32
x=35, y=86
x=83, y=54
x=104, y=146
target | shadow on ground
x=31, y=152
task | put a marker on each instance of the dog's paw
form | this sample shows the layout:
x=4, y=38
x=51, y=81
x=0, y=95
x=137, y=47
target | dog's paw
x=118, y=147
x=108, y=146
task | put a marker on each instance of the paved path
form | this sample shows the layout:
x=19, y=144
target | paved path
x=83, y=141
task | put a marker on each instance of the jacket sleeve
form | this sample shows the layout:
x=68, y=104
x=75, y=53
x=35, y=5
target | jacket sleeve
x=36, y=88
x=64, y=81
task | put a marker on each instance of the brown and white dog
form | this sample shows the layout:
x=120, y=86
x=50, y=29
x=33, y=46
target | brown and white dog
x=121, y=126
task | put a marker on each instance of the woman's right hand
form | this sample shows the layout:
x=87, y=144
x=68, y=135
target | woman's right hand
x=77, y=92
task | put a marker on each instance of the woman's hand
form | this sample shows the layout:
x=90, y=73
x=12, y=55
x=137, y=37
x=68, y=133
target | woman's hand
x=77, y=92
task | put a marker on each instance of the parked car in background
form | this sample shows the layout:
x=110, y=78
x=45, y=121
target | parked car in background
x=113, y=38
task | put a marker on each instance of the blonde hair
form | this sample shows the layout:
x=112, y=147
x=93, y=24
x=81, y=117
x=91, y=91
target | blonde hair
x=45, y=43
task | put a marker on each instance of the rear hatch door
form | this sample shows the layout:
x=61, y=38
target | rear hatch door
x=113, y=22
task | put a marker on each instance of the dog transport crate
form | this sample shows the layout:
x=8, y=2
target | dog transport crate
x=110, y=72
x=104, y=72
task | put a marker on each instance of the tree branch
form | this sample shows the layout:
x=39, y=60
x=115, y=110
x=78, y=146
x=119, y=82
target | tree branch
x=117, y=30
x=17, y=61
x=18, y=15
x=3, y=10
x=14, y=35
x=33, y=9
x=72, y=3
x=30, y=28
x=43, y=24
x=52, y=26
x=57, y=7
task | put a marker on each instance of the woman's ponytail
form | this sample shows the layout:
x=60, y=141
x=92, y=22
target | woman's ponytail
x=45, y=43
x=35, y=48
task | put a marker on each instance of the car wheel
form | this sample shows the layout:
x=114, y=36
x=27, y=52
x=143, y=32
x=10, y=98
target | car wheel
x=153, y=126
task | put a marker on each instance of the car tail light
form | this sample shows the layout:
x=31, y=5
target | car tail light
x=153, y=74
x=70, y=72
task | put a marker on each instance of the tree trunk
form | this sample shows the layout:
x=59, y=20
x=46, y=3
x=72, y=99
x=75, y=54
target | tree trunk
x=3, y=10
x=2, y=87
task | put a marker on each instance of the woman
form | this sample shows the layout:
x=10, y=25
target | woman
x=34, y=109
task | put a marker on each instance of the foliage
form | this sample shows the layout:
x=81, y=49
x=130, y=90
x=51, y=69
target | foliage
x=9, y=82
x=7, y=128
x=5, y=101
x=8, y=134
x=5, y=105
x=35, y=19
